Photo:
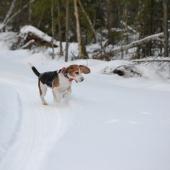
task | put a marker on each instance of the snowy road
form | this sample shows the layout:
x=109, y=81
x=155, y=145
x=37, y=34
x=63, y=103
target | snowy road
x=109, y=122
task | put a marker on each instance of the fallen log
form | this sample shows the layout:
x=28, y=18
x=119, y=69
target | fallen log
x=30, y=36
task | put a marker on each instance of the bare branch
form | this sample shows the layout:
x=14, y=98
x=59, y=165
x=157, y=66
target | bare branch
x=28, y=44
x=128, y=27
x=16, y=13
x=8, y=14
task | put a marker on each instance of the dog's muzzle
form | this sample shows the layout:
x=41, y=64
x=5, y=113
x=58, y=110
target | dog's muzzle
x=79, y=79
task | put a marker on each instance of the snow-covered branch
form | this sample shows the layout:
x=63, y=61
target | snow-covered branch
x=28, y=44
x=151, y=60
x=154, y=37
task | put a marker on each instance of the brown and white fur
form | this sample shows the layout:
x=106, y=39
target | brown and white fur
x=60, y=81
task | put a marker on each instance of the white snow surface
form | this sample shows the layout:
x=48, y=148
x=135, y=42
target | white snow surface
x=7, y=39
x=109, y=123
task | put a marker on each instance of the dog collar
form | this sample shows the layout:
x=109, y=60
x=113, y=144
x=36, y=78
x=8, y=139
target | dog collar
x=65, y=74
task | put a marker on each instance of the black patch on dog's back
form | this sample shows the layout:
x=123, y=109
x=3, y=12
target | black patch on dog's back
x=48, y=77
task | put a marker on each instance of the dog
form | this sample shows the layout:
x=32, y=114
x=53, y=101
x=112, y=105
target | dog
x=59, y=81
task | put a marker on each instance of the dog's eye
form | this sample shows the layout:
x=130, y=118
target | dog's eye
x=77, y=72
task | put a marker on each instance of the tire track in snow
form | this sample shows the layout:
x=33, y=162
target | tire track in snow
x=14, y=135
x=40, y=128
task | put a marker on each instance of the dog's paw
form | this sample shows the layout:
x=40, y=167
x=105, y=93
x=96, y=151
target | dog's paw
x=45, y=103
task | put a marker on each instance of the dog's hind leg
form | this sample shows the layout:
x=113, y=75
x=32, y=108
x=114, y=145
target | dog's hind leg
x=57, y=95
x=42, y=89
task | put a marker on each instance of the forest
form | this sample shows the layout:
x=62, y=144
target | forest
x=120, y=27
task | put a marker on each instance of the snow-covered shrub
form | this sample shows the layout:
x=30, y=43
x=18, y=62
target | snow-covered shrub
x=127, y=71
x=152, y=69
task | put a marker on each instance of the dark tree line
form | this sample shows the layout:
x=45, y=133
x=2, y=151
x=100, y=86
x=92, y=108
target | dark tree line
x=118, y=22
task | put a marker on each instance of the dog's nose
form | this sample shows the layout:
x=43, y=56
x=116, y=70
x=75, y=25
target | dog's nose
x=82, y=78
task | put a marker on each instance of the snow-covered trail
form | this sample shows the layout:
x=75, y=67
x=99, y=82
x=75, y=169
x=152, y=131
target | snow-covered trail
x=37, y=127
x=109, y=122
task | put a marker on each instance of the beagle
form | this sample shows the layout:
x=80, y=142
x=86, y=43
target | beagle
x=60, y=81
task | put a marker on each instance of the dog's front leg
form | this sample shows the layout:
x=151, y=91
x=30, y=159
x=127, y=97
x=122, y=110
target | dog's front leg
x=67, y=93
x=56, y=95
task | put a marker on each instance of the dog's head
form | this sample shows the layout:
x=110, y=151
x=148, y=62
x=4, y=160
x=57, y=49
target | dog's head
x=75, y=72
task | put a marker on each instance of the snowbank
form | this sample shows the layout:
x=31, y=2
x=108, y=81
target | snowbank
x=149, y=70
x=7, y=39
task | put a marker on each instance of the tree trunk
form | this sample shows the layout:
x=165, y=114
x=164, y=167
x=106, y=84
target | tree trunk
x=10, y=18
x=109, y=21
x=59, y=27
x=165, y=27
x=30, y=12
x=67, y=30
x=125, y=16
x=52, y=27
x=4, y=23
x=82, y=50
x=88, y=19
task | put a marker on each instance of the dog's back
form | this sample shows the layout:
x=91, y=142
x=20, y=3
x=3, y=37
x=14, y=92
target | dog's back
x=48, y=77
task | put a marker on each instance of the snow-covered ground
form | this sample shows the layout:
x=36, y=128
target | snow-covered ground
x=109, y=123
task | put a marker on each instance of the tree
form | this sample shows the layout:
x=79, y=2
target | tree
x=88, y=19
x=81, y=47
x=148, y=23
x=67, y=30
x=59, y=27
x=29, y=12
x=109, y=20
x=8, y=14
x=165, y=26
x=52, y=27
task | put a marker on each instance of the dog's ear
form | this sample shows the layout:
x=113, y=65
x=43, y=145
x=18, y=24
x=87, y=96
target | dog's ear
x=84, y=69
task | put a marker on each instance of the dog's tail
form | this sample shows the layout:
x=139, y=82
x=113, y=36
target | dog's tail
x=36, y=72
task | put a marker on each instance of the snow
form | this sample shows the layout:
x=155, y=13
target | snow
x=7, y=39
x=108, y=123
x=155, y=69
x=31, y=29
x=9, y=122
